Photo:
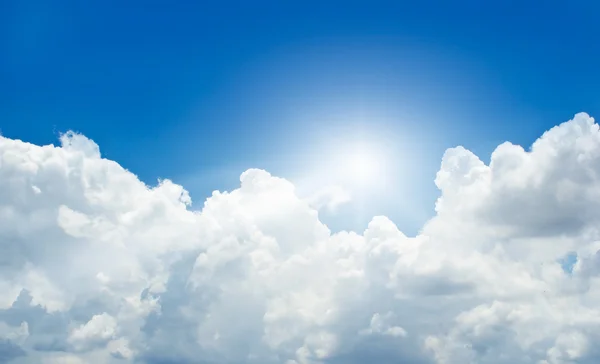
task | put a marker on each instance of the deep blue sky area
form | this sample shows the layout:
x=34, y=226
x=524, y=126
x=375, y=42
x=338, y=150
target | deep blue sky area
x=199, y=91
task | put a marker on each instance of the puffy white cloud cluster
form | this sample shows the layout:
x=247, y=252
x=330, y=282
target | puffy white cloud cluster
x=97, y=267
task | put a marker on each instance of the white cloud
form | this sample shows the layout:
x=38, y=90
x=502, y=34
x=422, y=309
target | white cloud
x=380, y=324
x=330, y=197
x=97, y=331
x=98, y=267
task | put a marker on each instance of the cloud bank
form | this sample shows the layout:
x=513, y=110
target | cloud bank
x=97, y=267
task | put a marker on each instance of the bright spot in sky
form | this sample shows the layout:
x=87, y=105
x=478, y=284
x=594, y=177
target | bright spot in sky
x=359, y=167
x=352, y=165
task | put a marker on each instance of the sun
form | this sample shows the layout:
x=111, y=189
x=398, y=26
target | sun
x=360, y=166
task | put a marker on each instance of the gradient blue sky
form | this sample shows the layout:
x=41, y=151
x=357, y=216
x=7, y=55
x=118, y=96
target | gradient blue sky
x=198, y=92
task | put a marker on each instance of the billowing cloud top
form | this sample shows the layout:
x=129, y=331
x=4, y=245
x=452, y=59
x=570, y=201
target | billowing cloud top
x=97, y=267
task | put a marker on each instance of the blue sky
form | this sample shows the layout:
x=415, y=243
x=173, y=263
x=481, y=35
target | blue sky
x=199, y=92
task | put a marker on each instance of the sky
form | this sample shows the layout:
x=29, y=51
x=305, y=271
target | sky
x=198, y=92
x=299, y=182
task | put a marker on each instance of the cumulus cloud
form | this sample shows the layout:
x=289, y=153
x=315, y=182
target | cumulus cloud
x=97, y=267
x=330, y=197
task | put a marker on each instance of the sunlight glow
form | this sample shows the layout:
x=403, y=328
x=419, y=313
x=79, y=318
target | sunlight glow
x=359, y=162
x=359, y=166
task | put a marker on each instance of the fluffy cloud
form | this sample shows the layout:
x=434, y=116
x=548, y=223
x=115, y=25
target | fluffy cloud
x=97, y=267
